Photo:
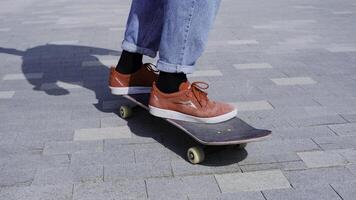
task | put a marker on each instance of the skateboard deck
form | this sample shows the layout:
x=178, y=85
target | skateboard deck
x=232, y=132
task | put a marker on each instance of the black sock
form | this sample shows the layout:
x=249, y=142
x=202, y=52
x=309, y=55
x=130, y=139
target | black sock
x=129, y=62
x=169, y=82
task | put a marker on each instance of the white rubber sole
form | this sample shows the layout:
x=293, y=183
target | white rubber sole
x=129, y=90
x=170, y=114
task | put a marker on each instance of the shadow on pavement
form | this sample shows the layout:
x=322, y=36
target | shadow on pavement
x=63, y=64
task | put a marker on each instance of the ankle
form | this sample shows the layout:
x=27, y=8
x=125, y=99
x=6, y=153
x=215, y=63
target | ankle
x=129, y=62
x=170, y=82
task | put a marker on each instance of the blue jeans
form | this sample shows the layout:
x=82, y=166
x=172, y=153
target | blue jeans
x=177, y=29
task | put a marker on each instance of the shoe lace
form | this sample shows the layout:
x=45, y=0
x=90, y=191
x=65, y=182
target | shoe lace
x=151, y=67
x=197, y=90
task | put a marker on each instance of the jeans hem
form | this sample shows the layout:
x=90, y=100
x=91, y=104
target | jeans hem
x=175, y=68
x=133, y=48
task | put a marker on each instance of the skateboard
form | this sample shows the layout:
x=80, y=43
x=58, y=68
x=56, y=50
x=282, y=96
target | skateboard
x=232, y=132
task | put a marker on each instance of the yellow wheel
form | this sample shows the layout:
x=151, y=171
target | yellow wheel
x=241, y=146
x=195, y=155
x=125, y=112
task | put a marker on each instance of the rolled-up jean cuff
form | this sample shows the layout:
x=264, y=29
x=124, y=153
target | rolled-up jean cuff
x=133, y=48
x=175, y=68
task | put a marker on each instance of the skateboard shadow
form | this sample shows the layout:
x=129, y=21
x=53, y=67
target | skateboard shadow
x=79, y=65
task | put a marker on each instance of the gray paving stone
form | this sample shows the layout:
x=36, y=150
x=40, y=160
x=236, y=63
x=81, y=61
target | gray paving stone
x=275, y=114
x=275, y=147
x=260, y=167
x=139, y=142
x=242, y=42
x=27, y=76
x=184, y=168
x=293, y=81
x=178, y=187
x=155, y=155
x=348, y=154
x=337, y=48
x=112, y=122
x=253, y=105
x=6, y=94
x=23, y=162
x=63, y=42
x=106, y=158
x=53, y=148
x=90, y=114
x=257, y=158
x=60, y=192
x=318, y=177
x=352, y=168
x=229, y=196
x=253, y=66
x=34, y=126
x=336, y=142
x=252, y=181
x=28, y=148
x=44, y=136
x=285, y=24
x=269, y=91
x=335, y=101
x=271, y=123
x=286, y=157
x=330, y=101
x=10, y=177
x=110, y=190
x=293, y=165
x=302, y=132
x=35, y=22
x=315, y=159
x=202, y=73
x=118, y=145
x=117, y=29
x=5, y=29
x=317, y=121
x=346, y=190
x=349, y=117
x=131, y=171
x=293, y=101
x=65, y=175
x=6, y=138
x=344, y=129
x=257, y=76
x=305, y=7
x=102, y=133
x=326, y=193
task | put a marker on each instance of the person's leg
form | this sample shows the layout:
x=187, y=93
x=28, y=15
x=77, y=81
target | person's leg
x=185, y=31
x=142, y=35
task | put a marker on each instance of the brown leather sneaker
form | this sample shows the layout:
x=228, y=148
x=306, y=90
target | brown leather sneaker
x=136, y=83
x=190, y=103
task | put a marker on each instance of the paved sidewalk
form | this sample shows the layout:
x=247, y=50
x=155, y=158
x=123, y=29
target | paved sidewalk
x=288, y=65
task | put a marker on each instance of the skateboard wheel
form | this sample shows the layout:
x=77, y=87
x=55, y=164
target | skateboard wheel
x=195, y=155
x=125, y=112
x=241, y=146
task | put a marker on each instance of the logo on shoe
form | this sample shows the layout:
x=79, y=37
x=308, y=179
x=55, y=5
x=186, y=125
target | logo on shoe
x=187, y=103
